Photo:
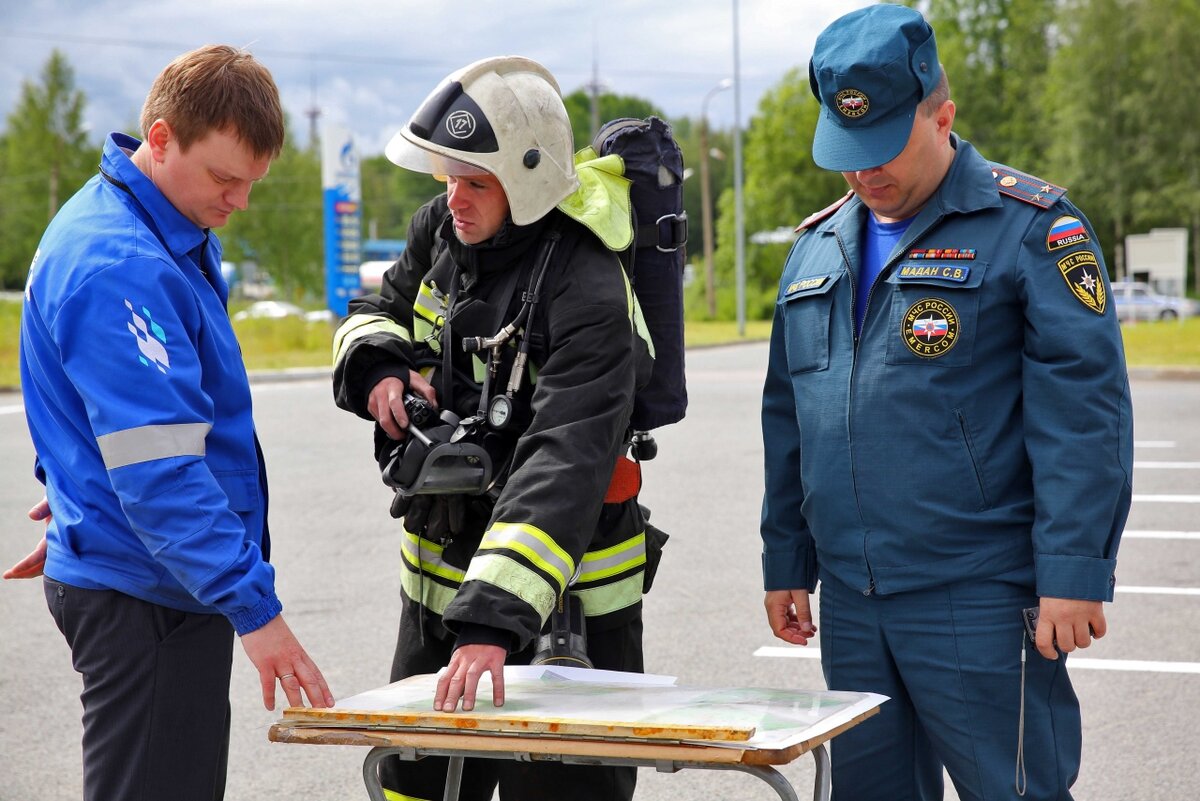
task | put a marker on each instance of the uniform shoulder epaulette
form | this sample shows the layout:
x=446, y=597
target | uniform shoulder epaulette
x=1029, y=188
x=828, y=211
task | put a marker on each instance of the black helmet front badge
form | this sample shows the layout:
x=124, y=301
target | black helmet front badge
x=451, y=119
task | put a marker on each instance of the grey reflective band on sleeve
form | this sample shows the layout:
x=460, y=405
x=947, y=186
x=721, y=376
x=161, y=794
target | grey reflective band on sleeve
x=147, y=443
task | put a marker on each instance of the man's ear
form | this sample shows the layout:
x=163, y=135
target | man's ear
x=159, y=138
x=945, y=118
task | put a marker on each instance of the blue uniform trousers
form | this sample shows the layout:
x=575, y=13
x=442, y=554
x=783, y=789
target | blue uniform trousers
x=950, y=660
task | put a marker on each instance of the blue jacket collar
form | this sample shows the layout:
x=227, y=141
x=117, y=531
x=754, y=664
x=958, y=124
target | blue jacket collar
x=968, y=186
x=179, y=234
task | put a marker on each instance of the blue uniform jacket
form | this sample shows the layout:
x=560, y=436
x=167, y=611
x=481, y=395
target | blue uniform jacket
x=139, y=405
x=981, y=423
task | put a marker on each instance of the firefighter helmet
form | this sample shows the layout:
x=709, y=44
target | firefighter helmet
x=503, y=116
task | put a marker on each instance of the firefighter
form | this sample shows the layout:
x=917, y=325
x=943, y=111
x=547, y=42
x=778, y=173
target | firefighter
x=549, y=404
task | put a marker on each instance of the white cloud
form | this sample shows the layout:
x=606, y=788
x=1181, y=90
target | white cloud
x=372, y=61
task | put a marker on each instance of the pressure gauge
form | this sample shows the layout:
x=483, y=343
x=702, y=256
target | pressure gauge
x=499, y=412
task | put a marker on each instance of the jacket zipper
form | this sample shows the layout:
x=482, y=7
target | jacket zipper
x=853, y=372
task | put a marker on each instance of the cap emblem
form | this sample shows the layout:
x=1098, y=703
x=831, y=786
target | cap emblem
x=460, y=124
x=852, y=103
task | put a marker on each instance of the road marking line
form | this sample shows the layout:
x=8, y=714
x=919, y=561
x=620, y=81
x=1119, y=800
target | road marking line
x=1161, y=535
x=1082, y=663
x=1166, y=498
x=1160, y=590
x=1135, y=665
x=1166, y=465
x=1150, y=443
x=789, y=651
x=11, y=409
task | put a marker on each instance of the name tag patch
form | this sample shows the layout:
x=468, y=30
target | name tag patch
x=805, y=283
x=956, y=273
x=930, y=328
x=1081, y=271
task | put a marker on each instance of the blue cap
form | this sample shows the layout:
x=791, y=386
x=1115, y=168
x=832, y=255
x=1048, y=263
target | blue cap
x=870, y=69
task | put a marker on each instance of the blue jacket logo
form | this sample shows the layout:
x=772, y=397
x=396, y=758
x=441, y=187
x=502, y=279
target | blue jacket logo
x=930, y=327
x=151, y=347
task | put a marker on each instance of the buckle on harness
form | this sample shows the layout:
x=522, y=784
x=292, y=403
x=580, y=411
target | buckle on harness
x=675, y=229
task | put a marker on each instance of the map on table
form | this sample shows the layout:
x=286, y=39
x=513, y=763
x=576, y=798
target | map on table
x=553, y=701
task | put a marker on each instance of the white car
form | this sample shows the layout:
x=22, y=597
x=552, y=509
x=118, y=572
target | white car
x=1137, y=301
x=271, y=309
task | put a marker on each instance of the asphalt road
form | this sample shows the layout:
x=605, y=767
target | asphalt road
x=337, y=554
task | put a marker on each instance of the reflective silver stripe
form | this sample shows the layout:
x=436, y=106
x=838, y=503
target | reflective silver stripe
x=427, y=556
x=535, y=545
x=425, y=591
x=147, y=443
x=611, y=597
x=359, y=326
x=515, y=578
x=621, y=557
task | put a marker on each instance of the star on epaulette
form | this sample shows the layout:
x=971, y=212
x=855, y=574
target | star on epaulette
x=824, y=213
x=1026, y=187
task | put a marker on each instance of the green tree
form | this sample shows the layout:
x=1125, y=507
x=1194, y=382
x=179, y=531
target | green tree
x=282, y=228
x=1094, y=106
x=390, y=196
x=1167, y=193
x=782, y=187
x=720, y=176
x=579, y=109
x=996, y=54
x=45, y=159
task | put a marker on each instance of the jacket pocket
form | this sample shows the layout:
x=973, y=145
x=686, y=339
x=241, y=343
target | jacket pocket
x=807, y=310
x=934, y=313
x=974, y=458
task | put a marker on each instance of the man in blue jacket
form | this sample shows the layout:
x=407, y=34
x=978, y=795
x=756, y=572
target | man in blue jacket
x=948, y=435
x=139, y=408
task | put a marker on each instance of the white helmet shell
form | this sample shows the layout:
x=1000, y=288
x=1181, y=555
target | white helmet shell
x=503, y=116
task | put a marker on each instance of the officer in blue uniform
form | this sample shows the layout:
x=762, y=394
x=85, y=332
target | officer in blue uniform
x=948, y=436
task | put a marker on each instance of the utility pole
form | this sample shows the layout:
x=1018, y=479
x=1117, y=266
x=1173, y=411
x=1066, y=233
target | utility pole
x=595, y=86
x=738, y=201
x=313, y=112
x=710, y=292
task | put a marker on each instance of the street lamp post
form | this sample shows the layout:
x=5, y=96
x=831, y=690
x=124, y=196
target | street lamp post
x=710, y=292
x=738, y=201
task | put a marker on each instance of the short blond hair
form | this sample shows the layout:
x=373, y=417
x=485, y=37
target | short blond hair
x=218, y=88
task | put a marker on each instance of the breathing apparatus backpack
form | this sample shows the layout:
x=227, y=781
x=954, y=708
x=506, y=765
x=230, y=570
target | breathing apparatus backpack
x=654, y=262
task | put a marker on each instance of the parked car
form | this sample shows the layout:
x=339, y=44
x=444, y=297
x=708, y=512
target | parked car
x=270, y=309
x=1137, y=301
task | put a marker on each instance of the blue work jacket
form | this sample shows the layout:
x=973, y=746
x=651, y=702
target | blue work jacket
x=139, y=405
x=980, y=423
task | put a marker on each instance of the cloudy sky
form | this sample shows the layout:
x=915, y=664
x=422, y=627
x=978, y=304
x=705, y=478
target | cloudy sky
x=366, y=64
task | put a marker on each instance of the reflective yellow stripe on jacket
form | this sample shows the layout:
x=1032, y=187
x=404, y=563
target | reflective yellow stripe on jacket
x=428, y=576
x=359, y=325
x=493, y=565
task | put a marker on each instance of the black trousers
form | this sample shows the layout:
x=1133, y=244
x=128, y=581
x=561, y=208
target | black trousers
x=618, y=648
x=155, y=695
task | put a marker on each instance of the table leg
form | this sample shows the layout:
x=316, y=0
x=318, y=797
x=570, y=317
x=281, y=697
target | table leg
x=376, y=755
x=777, y=781
x=821, y=786
x=371, y=772
x=453, y=778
